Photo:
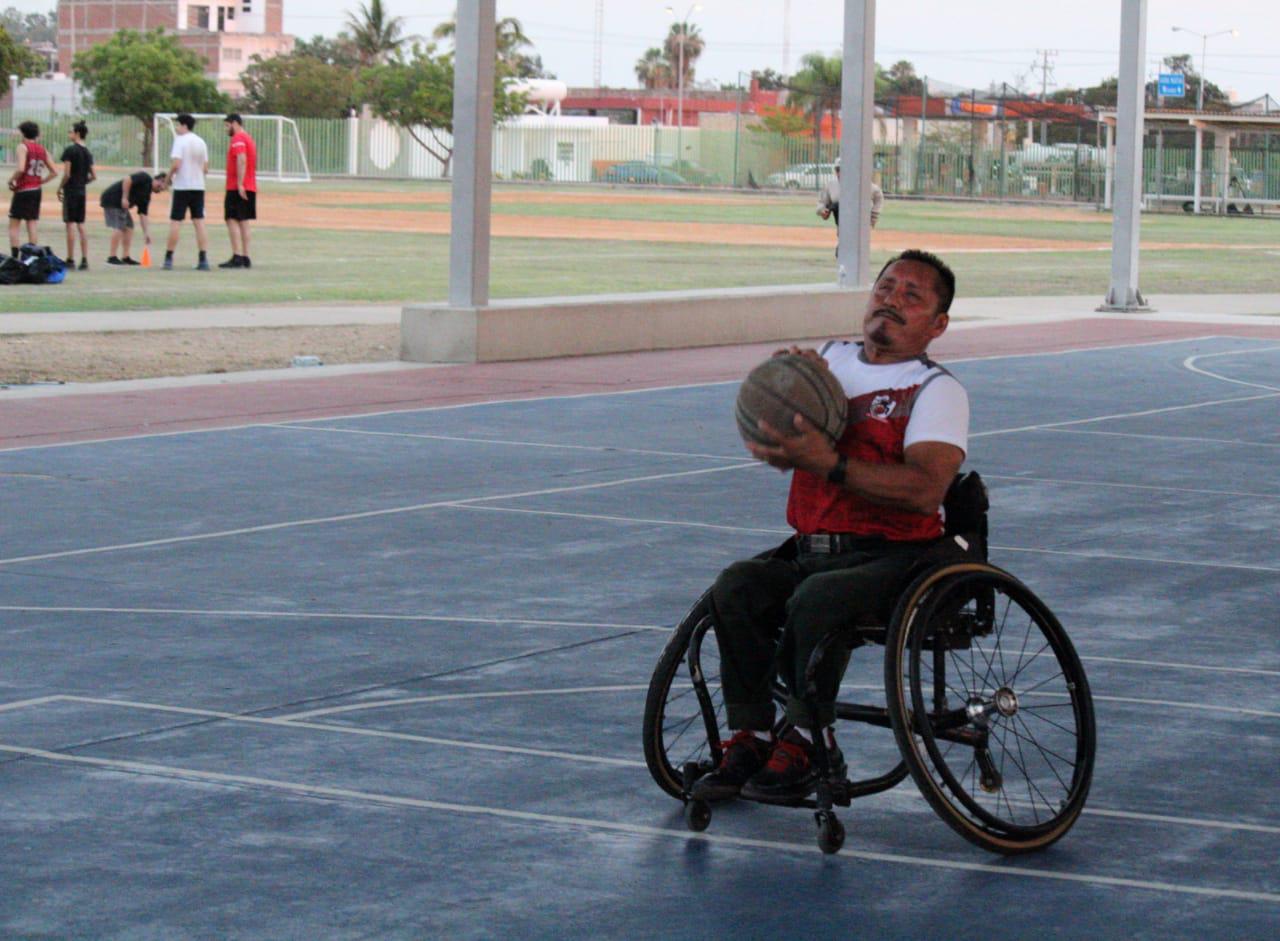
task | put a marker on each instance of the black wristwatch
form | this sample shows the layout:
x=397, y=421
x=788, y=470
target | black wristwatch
x=837, y=474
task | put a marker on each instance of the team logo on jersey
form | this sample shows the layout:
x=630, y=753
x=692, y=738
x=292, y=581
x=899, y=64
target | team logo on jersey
x=882, y=407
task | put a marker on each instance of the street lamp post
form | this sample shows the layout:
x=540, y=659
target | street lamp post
x=684, y=36
x=1204, y=47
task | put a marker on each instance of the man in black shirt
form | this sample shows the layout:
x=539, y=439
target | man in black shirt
x=133, y=192
x=77, y=172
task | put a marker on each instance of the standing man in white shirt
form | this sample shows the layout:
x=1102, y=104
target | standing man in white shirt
x=189, y=162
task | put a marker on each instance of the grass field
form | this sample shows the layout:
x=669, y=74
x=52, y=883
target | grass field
x=385, y=257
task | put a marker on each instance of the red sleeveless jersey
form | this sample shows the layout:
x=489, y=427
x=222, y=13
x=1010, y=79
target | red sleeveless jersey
x=37, y=166
x=891, y=407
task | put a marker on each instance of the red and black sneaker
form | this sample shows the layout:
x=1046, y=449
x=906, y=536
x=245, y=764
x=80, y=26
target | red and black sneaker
x=743, y=756
x=791, y=773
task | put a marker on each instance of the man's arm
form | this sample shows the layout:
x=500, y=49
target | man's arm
x=918, y=484
x=146, y=231
x=125, y=189
x=22, y=165
x=66, y=177
x=242, y=166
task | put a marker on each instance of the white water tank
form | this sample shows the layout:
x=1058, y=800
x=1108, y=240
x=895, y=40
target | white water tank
x=544, y=94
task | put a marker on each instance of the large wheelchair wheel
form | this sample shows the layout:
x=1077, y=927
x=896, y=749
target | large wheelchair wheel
x=990, y=707
x=684, y=713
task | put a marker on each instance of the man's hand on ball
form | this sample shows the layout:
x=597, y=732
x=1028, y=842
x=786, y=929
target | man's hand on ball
x=805, y=449
x=807, y=353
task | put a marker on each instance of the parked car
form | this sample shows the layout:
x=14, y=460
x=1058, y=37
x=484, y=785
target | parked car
x=809, y=176
x=639, y=171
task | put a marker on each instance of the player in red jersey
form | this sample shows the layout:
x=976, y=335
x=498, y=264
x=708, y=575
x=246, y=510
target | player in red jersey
x=35, y=169
x=241, y=206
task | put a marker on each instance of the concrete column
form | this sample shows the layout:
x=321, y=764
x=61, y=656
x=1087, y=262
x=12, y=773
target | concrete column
x=1195, y=169
x=857, y=115
x=1110, y=175
x=472, y=154
x=1126, y=218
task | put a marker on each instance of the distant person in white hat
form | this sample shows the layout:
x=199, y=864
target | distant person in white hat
x=829, y=200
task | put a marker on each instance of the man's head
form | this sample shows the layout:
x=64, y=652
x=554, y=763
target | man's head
x=30, y=130
x=160, y=183
x=79, y=132
x=185, y=123
x=234, y=123
x=908, y=307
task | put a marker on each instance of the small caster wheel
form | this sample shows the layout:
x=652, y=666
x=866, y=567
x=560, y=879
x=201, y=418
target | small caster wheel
x=697, y=815
x=830, y=833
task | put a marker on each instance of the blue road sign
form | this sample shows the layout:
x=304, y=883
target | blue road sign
x=1173, y=85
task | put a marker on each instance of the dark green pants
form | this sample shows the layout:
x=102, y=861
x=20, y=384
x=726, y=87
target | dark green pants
x=770, y=614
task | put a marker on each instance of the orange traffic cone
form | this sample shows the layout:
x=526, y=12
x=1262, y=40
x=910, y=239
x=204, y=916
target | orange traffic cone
x=145, y=260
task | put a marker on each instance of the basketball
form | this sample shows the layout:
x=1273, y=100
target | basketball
x=783, y=385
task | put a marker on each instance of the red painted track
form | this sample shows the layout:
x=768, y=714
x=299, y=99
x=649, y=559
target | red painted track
x=57, y=419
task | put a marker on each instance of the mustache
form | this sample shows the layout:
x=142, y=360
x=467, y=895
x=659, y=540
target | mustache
x=888, y=312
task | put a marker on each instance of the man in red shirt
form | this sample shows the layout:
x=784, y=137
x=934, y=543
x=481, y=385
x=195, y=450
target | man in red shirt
x=35, y=169
x=864, y=510
x=242, y=191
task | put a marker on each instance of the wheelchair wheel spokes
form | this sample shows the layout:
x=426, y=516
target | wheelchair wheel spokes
x=684, y=711
x=997, y=720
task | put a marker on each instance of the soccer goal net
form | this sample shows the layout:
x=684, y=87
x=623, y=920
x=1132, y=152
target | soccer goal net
x=281, y=155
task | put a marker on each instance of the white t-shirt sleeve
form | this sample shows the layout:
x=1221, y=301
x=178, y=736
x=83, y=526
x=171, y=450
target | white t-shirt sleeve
x=940, y=413
x=176, y=152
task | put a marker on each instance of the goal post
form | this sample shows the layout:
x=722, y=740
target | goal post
x=281, y=155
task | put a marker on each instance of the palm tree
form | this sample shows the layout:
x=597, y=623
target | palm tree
x=654, y=71
x=377, y=36
x=510, y=42
x=688, y=37
x=816, y=89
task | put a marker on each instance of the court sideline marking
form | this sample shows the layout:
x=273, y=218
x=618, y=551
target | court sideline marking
x=745, y=463
x=1190, y=364
x=297, y=720
x=532, y=622
x=301, y=789
x=616, y=392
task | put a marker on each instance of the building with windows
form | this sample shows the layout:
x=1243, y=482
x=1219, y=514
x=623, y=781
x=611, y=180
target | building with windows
x=225, y=33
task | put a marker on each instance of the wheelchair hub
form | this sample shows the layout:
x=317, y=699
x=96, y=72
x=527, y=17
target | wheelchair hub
x=1006, y=702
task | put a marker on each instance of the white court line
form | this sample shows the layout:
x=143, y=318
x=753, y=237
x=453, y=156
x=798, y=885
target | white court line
x=451, y=697
x=580, y=395
x=507, y=443
x=301, y=789
x=24, y=703
x=1190, y=363
x=1103, y=484
x=1234, y=442
x=293, y=722
x=1119, y=557
x=604, y=517
x=327, y=615
x=1048, y=426
x=466, y=619
x=368, y=514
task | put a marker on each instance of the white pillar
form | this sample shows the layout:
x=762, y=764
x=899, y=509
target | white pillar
x=1195, y=168
x=1126, y=218
x=472, y=155
x=857, y=114
x=1109, y=180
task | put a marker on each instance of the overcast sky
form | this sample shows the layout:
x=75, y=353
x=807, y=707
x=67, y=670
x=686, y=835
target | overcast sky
x=963, y=43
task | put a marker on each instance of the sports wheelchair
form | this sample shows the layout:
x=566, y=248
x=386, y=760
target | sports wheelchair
x=986, y=697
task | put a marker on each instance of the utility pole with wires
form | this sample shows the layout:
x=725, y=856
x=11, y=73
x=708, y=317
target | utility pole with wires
x=597, y=61
x=786, y=37
x=1045, y=68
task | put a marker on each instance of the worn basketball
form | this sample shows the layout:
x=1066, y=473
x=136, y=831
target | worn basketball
x=783, y=386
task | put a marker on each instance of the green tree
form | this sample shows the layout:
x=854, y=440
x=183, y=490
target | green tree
x=300, y=86
x=816, y=90
x=768, y=79
x=901, y=79
x=513, y=48
x=141, y=74
x=30, y=27
x=17, y=59
x=416, y=93
x=686, y=36
x=654, y=71
x=377, y=36
x=339, y=50
x=785, y=121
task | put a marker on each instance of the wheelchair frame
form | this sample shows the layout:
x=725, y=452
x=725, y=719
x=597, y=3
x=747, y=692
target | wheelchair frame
x=955, y=602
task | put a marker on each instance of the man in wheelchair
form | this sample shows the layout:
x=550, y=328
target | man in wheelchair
x=864, y=511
